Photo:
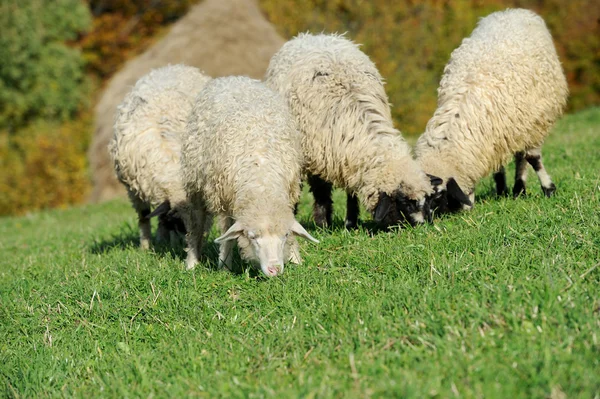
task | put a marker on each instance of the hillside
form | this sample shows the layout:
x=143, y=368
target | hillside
x=499, y=302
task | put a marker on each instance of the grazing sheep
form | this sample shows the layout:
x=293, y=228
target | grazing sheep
x=336, y=95
x=146, y=143
x=500, y=94
x=241, y=160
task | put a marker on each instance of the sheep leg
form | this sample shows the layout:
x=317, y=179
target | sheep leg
x=163, y=232
x=195, y=218
x=352, y=211
x=534, y=157
x=225, y=248
x=500, y=179
x=143, y=210
x=323, y=206
x=520, y=175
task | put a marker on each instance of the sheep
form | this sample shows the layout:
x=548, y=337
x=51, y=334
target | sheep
x=499, y=96
x=146, y=144
x=241, y=160
x=337, y=96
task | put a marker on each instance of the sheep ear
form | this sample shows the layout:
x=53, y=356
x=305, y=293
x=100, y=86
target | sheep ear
x=383, y=207
x=232, y=233
x=435, y=181
x=298, y=230
x=456, y=193
x=161, y=209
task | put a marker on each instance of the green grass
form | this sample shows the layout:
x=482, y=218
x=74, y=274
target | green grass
x=501, y=302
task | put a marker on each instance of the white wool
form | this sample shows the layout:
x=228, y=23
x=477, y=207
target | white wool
x=241, y=160
x=337, y=96
x=501, y=93
x=146, y=144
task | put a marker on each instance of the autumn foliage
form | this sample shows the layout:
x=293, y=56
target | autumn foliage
x=55, y=55
x=411, y=41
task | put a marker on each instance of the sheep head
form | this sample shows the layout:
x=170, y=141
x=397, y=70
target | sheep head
x=266, y=248
x=398, y=208
x=448, y=196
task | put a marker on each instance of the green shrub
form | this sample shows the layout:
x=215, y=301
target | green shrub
x=411, y=41
x=44, y=165
x=40, y=76
x=124, y=28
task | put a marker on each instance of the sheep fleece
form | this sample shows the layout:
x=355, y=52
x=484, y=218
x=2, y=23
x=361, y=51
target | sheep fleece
x=147, y=133
x=337, y=96
x=242, y=154
x=501, y=92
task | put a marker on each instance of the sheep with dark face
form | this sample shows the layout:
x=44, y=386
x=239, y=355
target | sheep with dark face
x=500, y=94
x=337, y=97
x=241, y=161
x=146, y=145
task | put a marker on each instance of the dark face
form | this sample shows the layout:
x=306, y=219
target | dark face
x=447, y=199
x=397, y=209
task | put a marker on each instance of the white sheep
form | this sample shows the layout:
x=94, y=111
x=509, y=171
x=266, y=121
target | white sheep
x=500, y=94
x=146, y=144
x=337, y=96
x=241, y=160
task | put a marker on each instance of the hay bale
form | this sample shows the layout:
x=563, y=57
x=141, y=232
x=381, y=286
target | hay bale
x=220, y=37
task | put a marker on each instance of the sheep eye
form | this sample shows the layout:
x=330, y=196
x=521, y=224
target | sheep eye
x=251, y=235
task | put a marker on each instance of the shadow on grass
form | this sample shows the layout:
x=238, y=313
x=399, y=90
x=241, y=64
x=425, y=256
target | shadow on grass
x=128, y=238
x=491, y=195
x=339, y=225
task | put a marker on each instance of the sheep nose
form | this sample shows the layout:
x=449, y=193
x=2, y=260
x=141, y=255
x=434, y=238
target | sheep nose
x=417, y=218
x=274, y=270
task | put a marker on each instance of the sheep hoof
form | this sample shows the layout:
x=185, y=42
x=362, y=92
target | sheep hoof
x=502, y=191
x=549, y=191
x=519, y=189
x=190, y=262
x=322, y=216
x=351, y=224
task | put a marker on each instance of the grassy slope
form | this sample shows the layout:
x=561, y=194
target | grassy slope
x=500, y=302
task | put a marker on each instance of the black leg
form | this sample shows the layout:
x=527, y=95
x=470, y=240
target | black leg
x=520, y=175
x=323, y=206
x=352, y=211
x=500, y=179
x=534, y=158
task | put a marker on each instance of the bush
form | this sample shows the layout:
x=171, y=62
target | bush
x=411, y=42
x=124, y=28
x=40, y=76
x=43, y=87
x=44, y=165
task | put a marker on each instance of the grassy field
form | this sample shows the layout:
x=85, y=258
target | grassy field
x=501, y=302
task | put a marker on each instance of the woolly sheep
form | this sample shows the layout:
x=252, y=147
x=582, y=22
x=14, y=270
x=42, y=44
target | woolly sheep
x=500, y=94
x=241, y=160
x=337, y=97
x=145, y=147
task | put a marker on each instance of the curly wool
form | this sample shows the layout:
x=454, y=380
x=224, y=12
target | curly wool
x=242, y=154
x=337, y=96
x=501, y=92
x=146, y=144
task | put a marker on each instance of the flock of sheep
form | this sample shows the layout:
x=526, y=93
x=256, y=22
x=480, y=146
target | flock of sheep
x=236, y=148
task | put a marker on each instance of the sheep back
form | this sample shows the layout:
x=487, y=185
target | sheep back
x=500, y=93
x=242, y=152
x=148, y=126
x=337, y=96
